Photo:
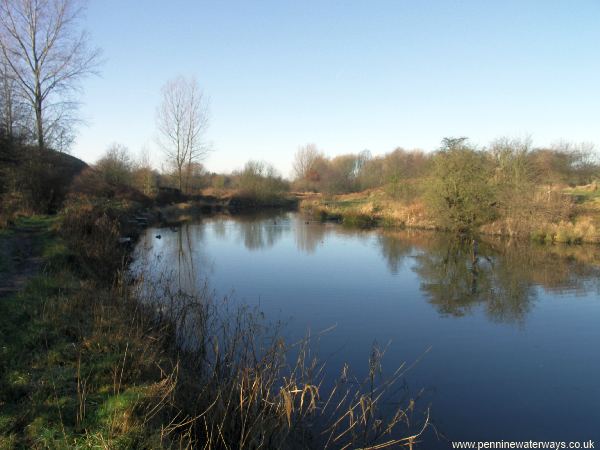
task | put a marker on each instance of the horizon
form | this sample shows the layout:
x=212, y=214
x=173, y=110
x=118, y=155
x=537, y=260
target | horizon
x=347, y=76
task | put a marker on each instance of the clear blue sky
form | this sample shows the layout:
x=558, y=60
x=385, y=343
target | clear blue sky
x=347, y=75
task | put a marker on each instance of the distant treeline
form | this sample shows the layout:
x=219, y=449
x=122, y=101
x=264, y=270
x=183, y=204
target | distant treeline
x=461, y=185
x=564, y=163
x=404, y=173
x=117, y=167
x=508, y=186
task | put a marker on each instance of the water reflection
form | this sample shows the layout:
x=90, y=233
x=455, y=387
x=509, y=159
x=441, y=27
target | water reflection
x=455, y=280
x=308, y=235
x=396, y=247
x=256, y=236
x=173, y=257
x=260, y=231
x=502, y=278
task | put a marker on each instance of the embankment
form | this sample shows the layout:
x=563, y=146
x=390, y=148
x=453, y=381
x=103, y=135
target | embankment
x=580, y=223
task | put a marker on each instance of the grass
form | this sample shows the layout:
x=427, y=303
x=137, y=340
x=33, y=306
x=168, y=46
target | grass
x=63, y=341
x=584, y=196
x=40, y=222
x=376, y=208
x=86, y=361
x=367, y=209
x=584, y=193
x=240, y=389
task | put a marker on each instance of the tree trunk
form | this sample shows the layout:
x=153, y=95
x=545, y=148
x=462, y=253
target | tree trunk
x=39, y=122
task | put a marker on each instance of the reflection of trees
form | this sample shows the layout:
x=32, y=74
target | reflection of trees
x=175, y=261
x=308, y=236
x=559, y=268
x=259, y=233
x=502, y=277
x=220, y=228
x=452, y=278
x=188, y=239
x=395, y=250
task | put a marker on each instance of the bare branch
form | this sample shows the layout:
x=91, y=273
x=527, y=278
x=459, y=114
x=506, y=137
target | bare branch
x=47, y=56
x=181, y=119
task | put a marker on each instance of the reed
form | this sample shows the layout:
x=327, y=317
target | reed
x=241, y=386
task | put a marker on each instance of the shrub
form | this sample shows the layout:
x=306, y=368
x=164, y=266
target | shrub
x=41, y=178
x=459, y=192
x=259, y=180
x=92, y=230
x=116, y=166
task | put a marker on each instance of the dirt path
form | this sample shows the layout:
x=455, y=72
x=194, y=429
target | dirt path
x=20, y=259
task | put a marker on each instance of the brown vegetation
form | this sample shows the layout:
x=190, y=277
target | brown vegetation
x=508, y=188
x=33, y=181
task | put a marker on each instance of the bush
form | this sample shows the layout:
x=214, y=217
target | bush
x=116, y=166
x=92, y=184
x=92, y=230
x=459, y=194
x=404, y=190
x=32, y=180
x=259, y=180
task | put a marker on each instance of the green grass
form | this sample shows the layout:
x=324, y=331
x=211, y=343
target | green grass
x=39, y=222
x=349, y=212
x=28, y=371
x=66, y=380
x=582, y=195
x=39, y=230
x=359, y=220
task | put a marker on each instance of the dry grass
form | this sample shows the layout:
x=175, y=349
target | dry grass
x=548, y=216
x=369, y=208
x=239, y=387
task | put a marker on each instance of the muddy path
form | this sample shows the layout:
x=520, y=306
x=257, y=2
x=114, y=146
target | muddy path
x=20, y=258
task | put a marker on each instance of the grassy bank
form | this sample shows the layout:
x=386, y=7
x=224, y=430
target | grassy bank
x=375, y=207
x=77, y=368
x=369, y=208
x=89, y=360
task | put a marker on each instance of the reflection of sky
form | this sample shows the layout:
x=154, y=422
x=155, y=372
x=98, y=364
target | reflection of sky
x=510, y=339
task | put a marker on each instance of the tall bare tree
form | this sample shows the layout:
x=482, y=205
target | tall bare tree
x=182, y=118
x=6, y=100
x=13, y=113
x=304, y=160
x=47, y=56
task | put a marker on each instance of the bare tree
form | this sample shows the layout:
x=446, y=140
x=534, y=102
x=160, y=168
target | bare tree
x=47, y=56
x=13, y=111
x=304, y=161
x=182, y=118
x=6, y=101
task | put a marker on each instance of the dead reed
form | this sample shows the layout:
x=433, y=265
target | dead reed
x=239, y=387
